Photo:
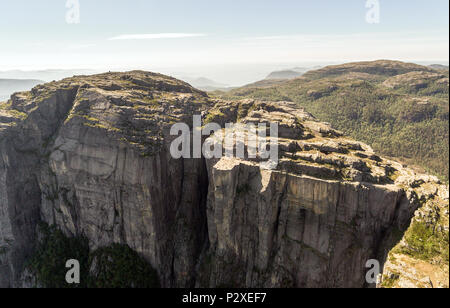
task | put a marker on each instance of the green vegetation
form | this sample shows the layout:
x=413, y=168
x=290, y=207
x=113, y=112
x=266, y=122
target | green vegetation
x=7, y=107
x=116, y=266
x=377, y=69
x=49, y=260
x=390, y=281
x=409, y=121
x=213, y=116
x=93, y=122
x=425, y=243
x=146, y=102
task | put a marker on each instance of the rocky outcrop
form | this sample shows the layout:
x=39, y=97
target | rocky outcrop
x=329, y=207
x=98, y=167
x=90, y=154
x=420, y=259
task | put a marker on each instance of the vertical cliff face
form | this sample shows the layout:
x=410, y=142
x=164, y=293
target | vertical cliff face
x=24, y=129
x=102, y=169
x=293, y=230
x=329, y=207
x=112, y=194
x=91, y=156
x=420, y=259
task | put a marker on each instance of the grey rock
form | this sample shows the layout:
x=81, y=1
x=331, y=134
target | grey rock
x=91, y=155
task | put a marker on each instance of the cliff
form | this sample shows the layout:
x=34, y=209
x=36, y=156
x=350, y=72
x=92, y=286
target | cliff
x=91, y=155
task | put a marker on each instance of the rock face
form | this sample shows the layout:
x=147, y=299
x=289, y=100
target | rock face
x=90, y=154
x=420, y=259
x=92, y=160
x=329, y=207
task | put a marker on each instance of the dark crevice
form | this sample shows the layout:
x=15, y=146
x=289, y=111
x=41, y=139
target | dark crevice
x=390, y=236
x=203, y=231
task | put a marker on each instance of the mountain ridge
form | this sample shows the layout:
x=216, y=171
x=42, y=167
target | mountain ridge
x=367, y=100
x=95, y=152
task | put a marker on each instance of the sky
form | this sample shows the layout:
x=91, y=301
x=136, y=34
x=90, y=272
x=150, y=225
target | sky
x=218, y=39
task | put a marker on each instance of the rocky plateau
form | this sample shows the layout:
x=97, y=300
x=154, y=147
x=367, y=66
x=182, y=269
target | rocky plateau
x=91, y=155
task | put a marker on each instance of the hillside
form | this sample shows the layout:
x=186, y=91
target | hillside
x=87, y=163
x=290, y=73
x=205, y=84
x=439, y=67
x=400, y=109
x=380, y=68
x=286, y=74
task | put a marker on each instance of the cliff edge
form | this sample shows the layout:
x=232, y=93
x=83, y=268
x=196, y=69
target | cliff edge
x=91, y=156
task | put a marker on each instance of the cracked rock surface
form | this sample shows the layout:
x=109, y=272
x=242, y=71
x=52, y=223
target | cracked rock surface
x=90, y=154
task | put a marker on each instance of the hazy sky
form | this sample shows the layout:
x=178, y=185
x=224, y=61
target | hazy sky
x=182, y=34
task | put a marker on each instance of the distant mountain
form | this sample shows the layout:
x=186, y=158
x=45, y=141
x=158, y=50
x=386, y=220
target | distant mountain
x=265, y=83
x=378, y=69
x=439, y=67
x=286, y=74
x=306, y=69
x=205, y=84
x=290, y=73
x=401, y=109
x=9, y=86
